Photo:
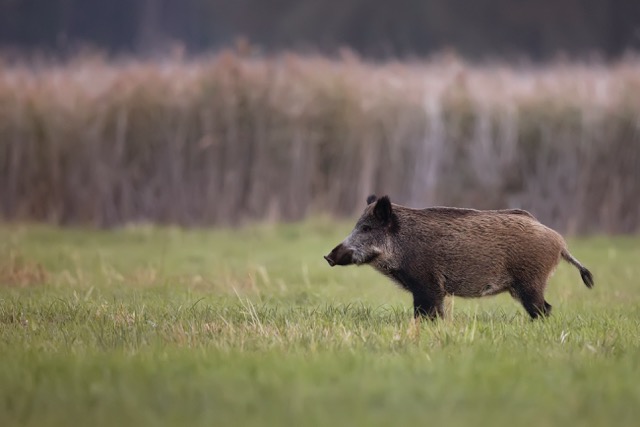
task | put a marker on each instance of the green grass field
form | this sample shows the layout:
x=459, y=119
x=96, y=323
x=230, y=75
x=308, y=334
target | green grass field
x=160, y=326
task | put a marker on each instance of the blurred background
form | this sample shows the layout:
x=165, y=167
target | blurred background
x=219, y=112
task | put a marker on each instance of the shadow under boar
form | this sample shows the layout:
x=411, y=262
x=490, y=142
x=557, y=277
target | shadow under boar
x=441, y=251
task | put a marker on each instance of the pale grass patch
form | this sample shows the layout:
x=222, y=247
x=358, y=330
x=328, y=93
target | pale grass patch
x=18, y=271
x=124, y=318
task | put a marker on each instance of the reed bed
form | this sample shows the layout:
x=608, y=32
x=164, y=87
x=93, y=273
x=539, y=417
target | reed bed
x=229, y=139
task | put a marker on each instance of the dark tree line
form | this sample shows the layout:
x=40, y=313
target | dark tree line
x=478, y=28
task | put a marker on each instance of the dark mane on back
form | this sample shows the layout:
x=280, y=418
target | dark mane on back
x=451, y=212
x=515, y=212
x=460, y=212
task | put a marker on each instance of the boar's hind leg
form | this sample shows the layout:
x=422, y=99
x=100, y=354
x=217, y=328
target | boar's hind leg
x=532, y=299
x=428, y=306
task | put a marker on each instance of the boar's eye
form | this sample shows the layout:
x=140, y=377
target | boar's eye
x=366, y=229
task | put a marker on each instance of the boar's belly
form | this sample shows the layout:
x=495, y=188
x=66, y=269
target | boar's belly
x=475, y=289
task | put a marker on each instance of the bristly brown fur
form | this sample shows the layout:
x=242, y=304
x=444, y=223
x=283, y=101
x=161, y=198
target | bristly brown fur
x=441, y=251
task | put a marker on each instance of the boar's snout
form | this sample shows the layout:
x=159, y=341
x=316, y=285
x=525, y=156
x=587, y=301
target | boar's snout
x=340, y=255
x=330, y=260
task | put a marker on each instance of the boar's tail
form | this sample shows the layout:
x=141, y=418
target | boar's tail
x=586, y=275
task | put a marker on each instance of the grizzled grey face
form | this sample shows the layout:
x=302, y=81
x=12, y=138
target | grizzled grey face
x=369, y=237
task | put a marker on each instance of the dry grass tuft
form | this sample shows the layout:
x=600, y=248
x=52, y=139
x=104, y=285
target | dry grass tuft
x=16, y=271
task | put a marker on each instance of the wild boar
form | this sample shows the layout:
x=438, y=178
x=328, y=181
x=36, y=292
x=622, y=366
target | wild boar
x=440, y=251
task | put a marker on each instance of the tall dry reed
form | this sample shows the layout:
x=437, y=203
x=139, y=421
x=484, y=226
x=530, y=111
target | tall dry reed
x=228, y=139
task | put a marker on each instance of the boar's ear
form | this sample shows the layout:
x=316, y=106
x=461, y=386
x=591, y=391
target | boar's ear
x=382, y=209
x=372, y=198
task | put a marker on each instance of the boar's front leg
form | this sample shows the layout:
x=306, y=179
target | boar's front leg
x=427, y=304
x=428, y=295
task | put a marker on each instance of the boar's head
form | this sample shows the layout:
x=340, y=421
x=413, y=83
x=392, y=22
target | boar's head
x=370, y=237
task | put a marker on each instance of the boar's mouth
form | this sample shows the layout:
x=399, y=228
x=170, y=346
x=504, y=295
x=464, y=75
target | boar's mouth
x=369, y=258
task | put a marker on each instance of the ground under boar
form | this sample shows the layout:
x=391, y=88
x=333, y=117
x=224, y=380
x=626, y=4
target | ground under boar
x=442, y=251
